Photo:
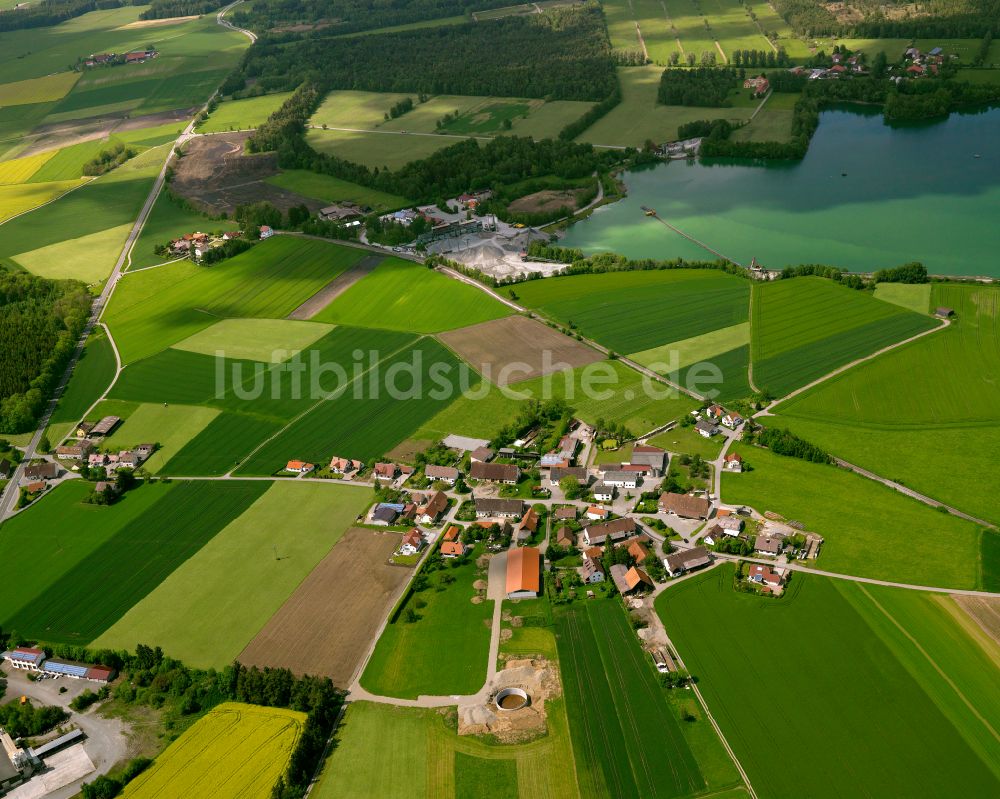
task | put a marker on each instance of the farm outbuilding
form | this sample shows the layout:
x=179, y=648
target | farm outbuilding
x=524, y=569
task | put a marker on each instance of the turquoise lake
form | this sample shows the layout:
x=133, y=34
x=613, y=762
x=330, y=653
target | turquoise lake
x=866, y=196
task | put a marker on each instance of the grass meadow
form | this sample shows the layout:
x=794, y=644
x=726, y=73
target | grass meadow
x=632, y=312
x=428, y=758
x=385, y=150
x=445, y=651
x=170, y=426
x=626, y=740
x=154, y=309
x=790, y=347
x=235, y=751
x=169, y=219
x=923, y=414
x=17, y=199
x=869, y=706
x=243, y=114
x=91, y=377
x=46, y=543
x=97, y=589
x=334, y=190
x=363, y=427
x=870, y=530
x=403, y=295
x=915, y=296
x=240, y=578
x=639, y=118
x=255, y=339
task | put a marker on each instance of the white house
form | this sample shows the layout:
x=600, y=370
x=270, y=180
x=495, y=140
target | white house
x=706, y=429
x=603, y=492
x=619, y=479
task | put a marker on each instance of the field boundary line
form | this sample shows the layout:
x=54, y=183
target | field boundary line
x=937, y=668
x=753, y=385
x=319, y=402
x=399, y=133
x=841, y=369
x=47, y=202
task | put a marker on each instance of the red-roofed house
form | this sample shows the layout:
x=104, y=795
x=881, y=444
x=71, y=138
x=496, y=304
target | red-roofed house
x=413, y=542
x=453, y=549
x=299, y=467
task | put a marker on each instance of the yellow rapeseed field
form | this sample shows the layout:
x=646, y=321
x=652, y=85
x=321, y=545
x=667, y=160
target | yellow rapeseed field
x=20, y=169
x=16, y=200
x=237, y=751
x=38, y=90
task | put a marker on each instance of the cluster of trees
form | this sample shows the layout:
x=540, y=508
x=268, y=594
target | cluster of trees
x=344, y=16
x=23, y=721
x=705, y=128
x=834, y=273
x=709, y=58
x=984, y=49
x=563, y=55
x=40, y=322
x=52, y=12
x=404, y=106
x=760, y=58
x=166, y=9
x=393, y=233
x=596, y=112
x=629, y=58
x=912, y=272
x=108, y=159
x=553, y=414
x=704, y=86
x=107, y=786
x=579, y=264
x=784, y=442
x=949, y=19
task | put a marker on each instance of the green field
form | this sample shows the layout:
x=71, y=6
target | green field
x=870, y=530
x=37, y=90
x=403, y=295
x=154, y=309
x=446, y=650
x=790, y=347
x=915, y=296
x=626, y=739
x=772, y=123
x=243, y=114
x=236, y=751
x=17, y=199
x=212, y=605
x=47, y=543
x=334, y=190
x=937, y=397
x=427, y=758
x=687, y=441
x=877, y=706
x=170, y=426
x=255, y=339
x=221, y=446
x=367, y=423
x=169, y=219
x=640, y=118
x=637, y=311
x=111, y=201
x=88, y=258
x=194, y=57
x=91, y=377
x=82, y=599
x=385, y=150
x=634, y=401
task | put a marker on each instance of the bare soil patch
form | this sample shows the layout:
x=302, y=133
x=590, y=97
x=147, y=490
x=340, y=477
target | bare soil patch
x=409, y=449
x=539, y=678
x=327, y=625
x=62, y=134
x=548, y=200
x=984, y=611
x=341, y=283
x=516, y=348
x=216, y=174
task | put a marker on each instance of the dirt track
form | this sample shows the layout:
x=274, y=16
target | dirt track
x=341, y=283
x=325, y=627
x=494, y=347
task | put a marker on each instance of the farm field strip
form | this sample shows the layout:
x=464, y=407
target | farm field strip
x=885, y=749
x=91, y=377
x=847, y=512
x=790, y=350
x=636, y=311
x=618, y=714
x=170, y=426
x=403, y=295
x=100, y=588
x=154, y=309
x=213, y=605
x=354, y=585
x=236, y=751
x=404, y=662
x=243, y=114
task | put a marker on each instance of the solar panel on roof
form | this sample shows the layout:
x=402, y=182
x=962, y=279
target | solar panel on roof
x=68, y=669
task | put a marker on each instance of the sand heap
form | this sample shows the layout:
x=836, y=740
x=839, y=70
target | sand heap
x=538, y=678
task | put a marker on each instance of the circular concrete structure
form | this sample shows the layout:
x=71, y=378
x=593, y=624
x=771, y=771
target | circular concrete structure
x=511, y=699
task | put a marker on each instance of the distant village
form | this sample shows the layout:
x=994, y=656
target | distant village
x=117, y=59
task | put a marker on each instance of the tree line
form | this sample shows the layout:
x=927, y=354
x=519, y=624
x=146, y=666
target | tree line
x=950, y=19
x=182, y=694
x=40, y=321
x=704, y=86
x=784, y=442
x=562, y=55
x=52, y=12
x=348, y=16
x=760, y=58
x=165, y=9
